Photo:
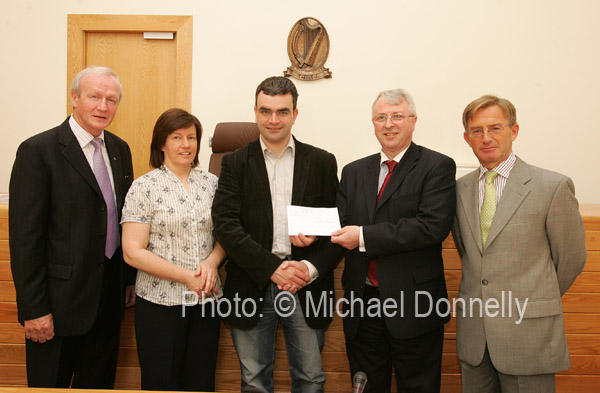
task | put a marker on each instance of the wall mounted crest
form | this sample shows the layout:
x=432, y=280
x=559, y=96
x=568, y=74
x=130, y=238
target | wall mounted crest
x=308, y=48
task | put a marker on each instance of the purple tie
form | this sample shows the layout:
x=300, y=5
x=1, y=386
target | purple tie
x=101, y=173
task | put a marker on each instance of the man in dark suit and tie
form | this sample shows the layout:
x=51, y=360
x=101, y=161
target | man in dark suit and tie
x=520, y=236
x=256, y=184
x=67, y=189
x=396, y=207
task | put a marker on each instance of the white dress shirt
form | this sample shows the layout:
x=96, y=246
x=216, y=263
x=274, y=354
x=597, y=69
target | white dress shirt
x=280, y=171
x=503, y=169
x=85, y=141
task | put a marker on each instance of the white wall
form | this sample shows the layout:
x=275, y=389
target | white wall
x=543, y=55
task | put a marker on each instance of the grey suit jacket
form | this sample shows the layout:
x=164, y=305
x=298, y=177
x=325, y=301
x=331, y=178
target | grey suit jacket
x=535, y=250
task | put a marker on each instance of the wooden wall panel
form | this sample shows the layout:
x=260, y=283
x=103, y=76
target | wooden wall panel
x=582, y=325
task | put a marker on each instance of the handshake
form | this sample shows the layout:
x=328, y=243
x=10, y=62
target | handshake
x=292, y=276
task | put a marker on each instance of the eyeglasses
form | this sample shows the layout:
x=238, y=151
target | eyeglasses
x=394, y=117
x=491, y=130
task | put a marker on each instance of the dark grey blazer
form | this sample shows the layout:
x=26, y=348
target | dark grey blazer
x=57, y=219
x=403, y=233
x=243, y=224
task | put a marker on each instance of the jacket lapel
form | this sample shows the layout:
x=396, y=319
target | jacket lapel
x=370, y=182
x=256, y=161
x=115, y=158
x=515, y=191
x=74, y=155
x=406, y=164
x=468, y=196
x=301, y=166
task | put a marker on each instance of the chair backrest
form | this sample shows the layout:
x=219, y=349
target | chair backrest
x=227, y=138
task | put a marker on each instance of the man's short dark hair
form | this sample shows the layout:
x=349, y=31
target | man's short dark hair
x=171, y=120
x=276, y=85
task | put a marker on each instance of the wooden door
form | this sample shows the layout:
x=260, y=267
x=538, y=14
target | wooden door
x=155, y=73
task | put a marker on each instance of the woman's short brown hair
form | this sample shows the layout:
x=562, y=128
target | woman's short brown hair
x=171, y=120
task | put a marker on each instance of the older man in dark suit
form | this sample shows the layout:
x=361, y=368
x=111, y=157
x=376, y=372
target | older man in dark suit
x=396, y=208
x=67, y=189
x=257, y=182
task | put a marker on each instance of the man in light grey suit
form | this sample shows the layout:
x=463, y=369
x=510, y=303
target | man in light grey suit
x=521, y=239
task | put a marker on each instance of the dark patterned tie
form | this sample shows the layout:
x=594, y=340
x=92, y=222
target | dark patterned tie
x=101, y=173
x=372, y=271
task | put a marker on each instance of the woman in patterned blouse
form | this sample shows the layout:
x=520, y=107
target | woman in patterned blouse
x=167, y=236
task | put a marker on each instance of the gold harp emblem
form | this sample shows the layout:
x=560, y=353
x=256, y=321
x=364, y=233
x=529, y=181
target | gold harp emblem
x=308, y=48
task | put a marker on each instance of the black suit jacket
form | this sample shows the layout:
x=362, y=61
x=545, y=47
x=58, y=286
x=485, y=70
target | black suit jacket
x=57, y=220
x=243, y=224
x=403, y=233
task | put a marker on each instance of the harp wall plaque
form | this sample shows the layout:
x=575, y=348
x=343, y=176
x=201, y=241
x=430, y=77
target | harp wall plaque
x=308, y=48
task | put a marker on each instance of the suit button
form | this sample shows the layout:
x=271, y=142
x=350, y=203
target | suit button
x=484, y=282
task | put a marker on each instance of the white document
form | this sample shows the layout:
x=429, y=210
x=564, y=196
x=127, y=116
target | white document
x=317, y=221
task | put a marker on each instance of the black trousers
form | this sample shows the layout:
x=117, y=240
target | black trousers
x=88, y=361
x=176, y=352
x=417, y=361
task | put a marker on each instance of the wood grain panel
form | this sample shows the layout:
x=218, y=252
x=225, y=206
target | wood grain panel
x=451, y=259
x=592, y=240
x=592, y=264
x=4, y=226
x=583, y=344
x=581, y=302
x=12, y=353
x=4, y=250
x=586, y=282
x=583, y=365
x=7, y=291
x=582, y=325
x=577, y=383
x=12, y=333
x=5, y=273
x=13, y=374
x=8, y=312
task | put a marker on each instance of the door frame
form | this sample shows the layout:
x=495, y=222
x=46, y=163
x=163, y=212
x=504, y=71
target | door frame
x=78, y=25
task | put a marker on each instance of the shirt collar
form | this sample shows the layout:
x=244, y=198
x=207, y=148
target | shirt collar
x=83, y=137
x=503, y=169
x=291, y=145
x=383, y=157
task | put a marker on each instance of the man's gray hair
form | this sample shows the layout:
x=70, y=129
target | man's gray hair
x=397, y=97
x=94, y=70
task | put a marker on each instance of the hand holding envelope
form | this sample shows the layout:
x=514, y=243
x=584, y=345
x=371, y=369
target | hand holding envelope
x=315, y=221
x=304, y=225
